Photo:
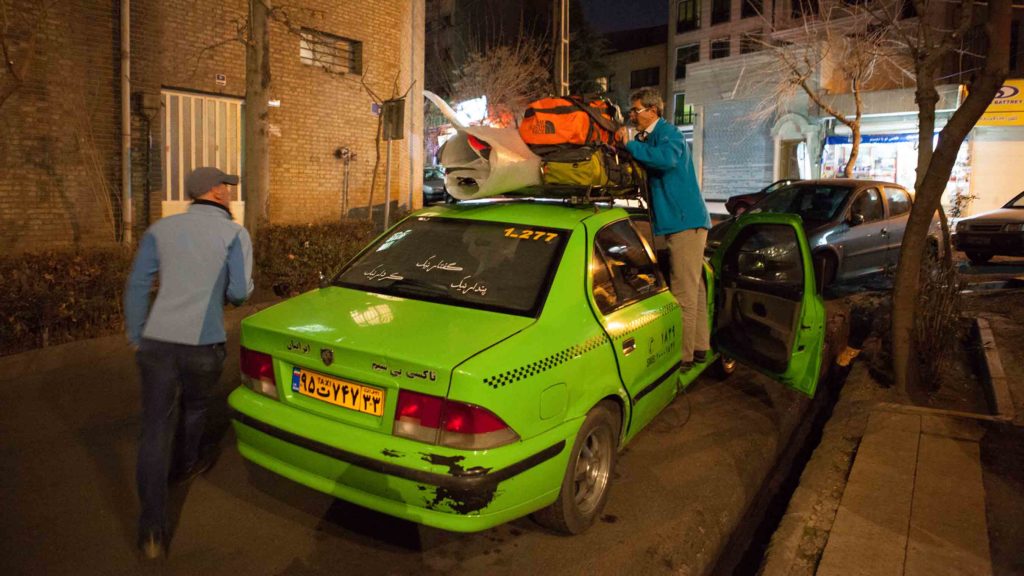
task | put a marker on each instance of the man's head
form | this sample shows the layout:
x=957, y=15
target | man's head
x=209, y=183
x=647, y=107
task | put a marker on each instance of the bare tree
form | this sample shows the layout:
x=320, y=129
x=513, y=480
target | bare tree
x=930, y=41
x=510, y=76
x=837, y=49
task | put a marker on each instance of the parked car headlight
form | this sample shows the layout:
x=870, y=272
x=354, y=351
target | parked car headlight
x=1014, y=227
x=961, y=226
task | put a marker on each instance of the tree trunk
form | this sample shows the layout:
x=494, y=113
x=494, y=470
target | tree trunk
x=854, y=149
x=257, y=139
x=933, y=174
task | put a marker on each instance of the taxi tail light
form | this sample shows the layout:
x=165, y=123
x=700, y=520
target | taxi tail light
x=258, y=372
x=449, y=423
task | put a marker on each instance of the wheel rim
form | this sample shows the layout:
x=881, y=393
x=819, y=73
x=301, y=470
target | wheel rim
x=593, y=467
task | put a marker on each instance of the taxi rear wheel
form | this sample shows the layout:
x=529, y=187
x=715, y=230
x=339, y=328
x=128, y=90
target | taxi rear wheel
x=588, y=475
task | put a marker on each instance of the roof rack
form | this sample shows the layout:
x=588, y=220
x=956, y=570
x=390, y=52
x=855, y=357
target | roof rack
x=574, y=195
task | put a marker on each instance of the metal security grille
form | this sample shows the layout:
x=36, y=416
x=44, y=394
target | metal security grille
x=199, y=130
x=330, y=52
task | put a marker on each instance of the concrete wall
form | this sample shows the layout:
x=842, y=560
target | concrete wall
x=60, y=130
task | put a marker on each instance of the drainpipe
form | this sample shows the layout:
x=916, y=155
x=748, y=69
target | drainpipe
x=126, y=125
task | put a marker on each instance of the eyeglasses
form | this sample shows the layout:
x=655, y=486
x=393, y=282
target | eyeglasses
x=639, y=110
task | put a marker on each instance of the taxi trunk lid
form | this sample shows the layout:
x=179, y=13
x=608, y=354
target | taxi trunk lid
x=337, y=343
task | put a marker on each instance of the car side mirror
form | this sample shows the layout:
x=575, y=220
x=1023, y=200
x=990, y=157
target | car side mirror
x=855, y=219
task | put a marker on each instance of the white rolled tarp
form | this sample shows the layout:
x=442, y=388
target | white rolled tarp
x=508, y=166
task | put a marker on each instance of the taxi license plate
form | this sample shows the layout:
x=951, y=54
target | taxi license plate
x=358, y=397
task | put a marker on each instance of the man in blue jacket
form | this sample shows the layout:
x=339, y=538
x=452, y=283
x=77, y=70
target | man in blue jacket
x=203, y=259
x=678, y=213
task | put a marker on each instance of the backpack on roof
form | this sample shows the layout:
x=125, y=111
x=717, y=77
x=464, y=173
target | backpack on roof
x=570, y=120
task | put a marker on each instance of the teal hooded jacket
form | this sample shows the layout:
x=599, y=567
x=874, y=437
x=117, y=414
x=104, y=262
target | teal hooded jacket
x=676, y=203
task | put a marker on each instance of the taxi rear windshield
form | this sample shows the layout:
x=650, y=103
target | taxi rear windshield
x=488, y=265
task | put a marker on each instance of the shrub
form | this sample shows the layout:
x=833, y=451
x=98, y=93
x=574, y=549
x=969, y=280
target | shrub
x=54, y=297
x=938, y=329
x=289, y=259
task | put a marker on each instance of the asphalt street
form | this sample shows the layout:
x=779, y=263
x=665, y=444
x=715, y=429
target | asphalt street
x=67, y=456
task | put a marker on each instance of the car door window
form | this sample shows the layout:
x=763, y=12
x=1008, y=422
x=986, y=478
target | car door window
x=622, y=268
x=899, y=201
x=868, y=204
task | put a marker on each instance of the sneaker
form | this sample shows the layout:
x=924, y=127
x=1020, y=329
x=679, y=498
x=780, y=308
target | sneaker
x=200, y=466
x=152, y=547
x=699, y=356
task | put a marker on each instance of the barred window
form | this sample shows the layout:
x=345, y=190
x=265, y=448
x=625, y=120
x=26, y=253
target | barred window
x=684, y=111
x=330, y=52
x=720, y=48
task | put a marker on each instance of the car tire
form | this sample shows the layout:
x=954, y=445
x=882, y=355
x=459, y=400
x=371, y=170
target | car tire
x=825, y=267
x=978, y=257
x=588, y=475
x=724, y=367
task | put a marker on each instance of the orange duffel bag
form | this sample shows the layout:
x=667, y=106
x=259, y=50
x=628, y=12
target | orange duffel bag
x=569, y=120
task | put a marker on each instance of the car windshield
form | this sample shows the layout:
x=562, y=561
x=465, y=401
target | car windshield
x=1017, y=202
x=819, y=203
x=489, y=265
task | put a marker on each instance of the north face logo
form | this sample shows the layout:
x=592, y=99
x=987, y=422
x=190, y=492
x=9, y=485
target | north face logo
x=547, y=128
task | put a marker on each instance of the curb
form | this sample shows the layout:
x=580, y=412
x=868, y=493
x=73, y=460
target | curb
x=993, y=376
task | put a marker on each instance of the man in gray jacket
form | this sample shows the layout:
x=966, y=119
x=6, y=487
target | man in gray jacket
x=202, y=259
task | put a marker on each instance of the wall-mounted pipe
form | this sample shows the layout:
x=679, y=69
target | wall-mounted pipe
x=126, y=124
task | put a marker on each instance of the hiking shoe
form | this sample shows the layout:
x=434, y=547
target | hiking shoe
x=152, y=547
x=200, y=466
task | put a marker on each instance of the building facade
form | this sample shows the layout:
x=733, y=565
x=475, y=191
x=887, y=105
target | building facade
x=61, y=127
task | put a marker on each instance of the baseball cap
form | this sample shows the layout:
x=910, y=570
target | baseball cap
x=202, y=179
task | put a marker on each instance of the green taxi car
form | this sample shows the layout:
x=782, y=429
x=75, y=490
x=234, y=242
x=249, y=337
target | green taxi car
x=487, y=360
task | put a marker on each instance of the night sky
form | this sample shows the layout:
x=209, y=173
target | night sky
x=611, y=15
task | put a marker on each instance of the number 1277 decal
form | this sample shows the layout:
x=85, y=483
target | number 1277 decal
x=530, y=234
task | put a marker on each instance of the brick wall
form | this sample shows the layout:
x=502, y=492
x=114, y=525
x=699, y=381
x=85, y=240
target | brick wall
x=60, y=131
x=56, y=137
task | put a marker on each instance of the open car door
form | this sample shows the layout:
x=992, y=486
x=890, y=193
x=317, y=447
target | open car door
x=768, y=314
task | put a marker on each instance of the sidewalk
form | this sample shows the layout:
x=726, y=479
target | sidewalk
x=915, y=501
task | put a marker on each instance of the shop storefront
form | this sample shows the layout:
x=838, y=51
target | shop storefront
x=892, y=158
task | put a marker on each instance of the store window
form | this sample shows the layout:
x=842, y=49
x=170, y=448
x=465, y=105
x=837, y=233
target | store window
x=687, y=54
x=689, y=16
x=898, y=199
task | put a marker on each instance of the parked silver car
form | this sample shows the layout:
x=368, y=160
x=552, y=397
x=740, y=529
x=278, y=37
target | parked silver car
x=996, y=233
x=855, y=227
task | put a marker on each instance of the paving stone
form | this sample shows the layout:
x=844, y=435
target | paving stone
x=870, y=533
x=948, y=529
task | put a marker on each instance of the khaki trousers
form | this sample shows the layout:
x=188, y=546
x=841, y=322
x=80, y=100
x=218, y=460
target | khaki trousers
x=686, y=256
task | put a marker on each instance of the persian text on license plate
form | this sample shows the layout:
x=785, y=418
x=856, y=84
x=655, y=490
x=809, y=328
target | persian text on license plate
x=359, y=397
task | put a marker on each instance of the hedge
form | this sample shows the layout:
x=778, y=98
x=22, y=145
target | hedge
x=52, y=297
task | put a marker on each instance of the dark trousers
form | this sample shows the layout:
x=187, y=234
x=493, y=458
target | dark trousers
x=177, y=380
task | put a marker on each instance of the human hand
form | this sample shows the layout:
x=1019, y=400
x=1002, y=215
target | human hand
x=622, y=135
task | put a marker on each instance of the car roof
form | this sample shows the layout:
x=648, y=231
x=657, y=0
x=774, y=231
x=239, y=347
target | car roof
x=846, y=182
x=550, y=213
